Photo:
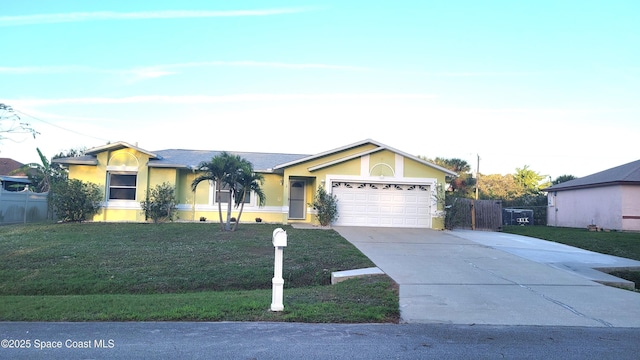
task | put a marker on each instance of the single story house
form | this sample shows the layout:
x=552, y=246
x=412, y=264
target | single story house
x=609, y=199
x=10, y=178
x=376, y=185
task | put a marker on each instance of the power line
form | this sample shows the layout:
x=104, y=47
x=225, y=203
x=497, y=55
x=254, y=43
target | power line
x=60, y=127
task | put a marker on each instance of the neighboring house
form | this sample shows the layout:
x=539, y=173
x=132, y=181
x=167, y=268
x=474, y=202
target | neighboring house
x=17, y=203
x=609, y=199
x=10, y=179
x=376, y=185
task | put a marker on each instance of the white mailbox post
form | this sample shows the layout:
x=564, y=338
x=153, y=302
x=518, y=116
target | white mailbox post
x=279, y=242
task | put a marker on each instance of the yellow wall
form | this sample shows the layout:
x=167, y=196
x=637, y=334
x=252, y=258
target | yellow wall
x=413, y=168
x=273, y=189
x=382, y=163
x=275, y=186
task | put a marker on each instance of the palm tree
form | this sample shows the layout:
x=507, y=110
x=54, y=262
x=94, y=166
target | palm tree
x=214, y=171
x=43, y=176
x=249, y=181
x=226, y=171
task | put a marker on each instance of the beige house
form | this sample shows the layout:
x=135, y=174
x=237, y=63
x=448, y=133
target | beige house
x=609, y=199
x=376, y=185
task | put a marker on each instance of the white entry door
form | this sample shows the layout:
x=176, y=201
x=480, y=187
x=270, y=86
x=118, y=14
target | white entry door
x=383, y=205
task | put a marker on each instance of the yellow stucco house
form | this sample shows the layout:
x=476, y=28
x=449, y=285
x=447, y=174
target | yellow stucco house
x=376, y=185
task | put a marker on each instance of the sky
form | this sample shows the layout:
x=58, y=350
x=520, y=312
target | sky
x=550, y=85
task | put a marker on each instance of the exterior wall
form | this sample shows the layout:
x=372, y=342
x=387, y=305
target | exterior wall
x=314, y=180
x=193, y=206
x=380, y=166
x=579, y=208
x=630, y=207
x=414, y=169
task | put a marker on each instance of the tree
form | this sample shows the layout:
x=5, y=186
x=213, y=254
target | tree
x=75, y=200
x=563, y=178
x=530, y=180
x=248, y=181
x=453, y=164
x=10, y=123
x=230, y=173
x=497, y=186
x=326, y=206
x=160, y=204
x=215, y=172
x=463, y=184
x=43, y=174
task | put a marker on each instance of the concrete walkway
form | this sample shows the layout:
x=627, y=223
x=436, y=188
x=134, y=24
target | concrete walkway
x=463, y=277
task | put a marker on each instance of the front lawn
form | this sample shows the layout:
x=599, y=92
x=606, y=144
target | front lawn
x=617, y=243
x=182, y=271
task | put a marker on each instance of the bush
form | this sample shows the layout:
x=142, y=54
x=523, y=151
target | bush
x=326, y=205
x=160, y=204
x=74, y=200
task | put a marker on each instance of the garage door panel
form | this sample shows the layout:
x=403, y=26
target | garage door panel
x=385, y=205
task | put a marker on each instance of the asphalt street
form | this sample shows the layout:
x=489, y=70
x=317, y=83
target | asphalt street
x=188, y=340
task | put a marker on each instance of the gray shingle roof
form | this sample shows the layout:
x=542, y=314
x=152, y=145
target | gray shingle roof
x=623, y=174
x=191, y=158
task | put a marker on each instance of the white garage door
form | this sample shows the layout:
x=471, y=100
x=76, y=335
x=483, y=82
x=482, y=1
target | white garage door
x=384, y=205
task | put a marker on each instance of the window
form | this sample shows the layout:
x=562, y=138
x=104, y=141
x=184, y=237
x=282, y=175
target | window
x=224, y=196
x=122, y=186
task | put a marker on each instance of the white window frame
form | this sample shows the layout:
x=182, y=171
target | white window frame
x=135, y=187
x=213, y=193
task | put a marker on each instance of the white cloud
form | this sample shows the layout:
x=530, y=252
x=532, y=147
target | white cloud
x=207, y=99
x=112, y=15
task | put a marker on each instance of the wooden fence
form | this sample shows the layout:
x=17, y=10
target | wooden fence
x=474, y=214
x=22, y=207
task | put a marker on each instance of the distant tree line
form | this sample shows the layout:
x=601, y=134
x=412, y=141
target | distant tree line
x=522, y=189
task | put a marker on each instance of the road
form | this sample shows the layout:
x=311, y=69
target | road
x=189, y=340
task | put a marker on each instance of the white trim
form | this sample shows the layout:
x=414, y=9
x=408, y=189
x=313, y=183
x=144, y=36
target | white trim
x=212, y=193
x=343, y=159
x=399, y=166
x=330, y=178
x=214, y=208
x=384, y=165
x=121, y=205
x=364, y=165
x=122, y=169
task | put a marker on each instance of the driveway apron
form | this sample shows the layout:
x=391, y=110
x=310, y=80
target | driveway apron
x=451, y=279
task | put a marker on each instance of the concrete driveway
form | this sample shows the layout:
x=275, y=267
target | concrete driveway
x=465, y=277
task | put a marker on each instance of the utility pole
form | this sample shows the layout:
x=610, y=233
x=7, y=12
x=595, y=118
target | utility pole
x=477, y=175
x=473, y=203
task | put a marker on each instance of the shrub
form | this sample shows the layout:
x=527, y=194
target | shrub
x=160, y=204
x=74, y=200
x=326, y=205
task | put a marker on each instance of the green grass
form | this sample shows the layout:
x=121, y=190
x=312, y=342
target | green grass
x=182, y=271
x=617, y=243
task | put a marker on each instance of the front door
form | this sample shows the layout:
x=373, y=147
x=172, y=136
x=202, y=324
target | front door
x=296, y=199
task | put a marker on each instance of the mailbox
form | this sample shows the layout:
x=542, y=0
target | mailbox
x=279, y=238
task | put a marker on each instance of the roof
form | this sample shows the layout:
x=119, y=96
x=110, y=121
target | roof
x=262, y=162
x=380, y=147
x=184, y=159
x=627, y=174
x=8, y=165
x=17, y=179
x=179, y=158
